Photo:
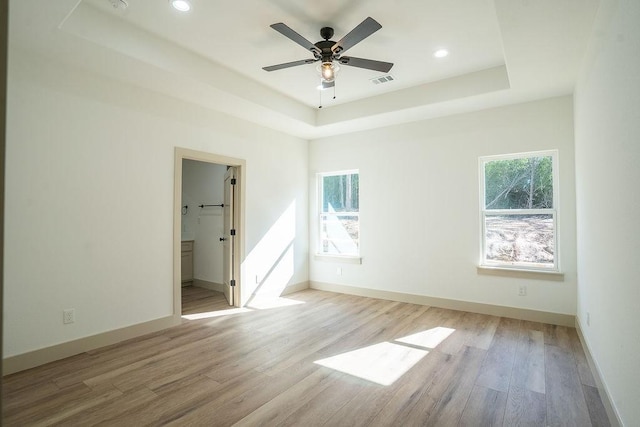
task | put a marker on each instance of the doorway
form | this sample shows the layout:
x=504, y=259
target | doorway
x=228, y=243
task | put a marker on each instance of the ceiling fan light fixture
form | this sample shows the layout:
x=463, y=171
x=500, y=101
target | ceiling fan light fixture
x=328, y=71
x=181, y=5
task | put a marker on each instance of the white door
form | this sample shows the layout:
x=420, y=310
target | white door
x=228, y=270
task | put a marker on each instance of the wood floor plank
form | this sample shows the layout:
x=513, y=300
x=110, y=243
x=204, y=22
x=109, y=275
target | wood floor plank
x=274, y=412
x=106, y=410
x=380, y=405
x=481, y=328
x=586, y=377
x=24, y=398
x=597, y=412
x=384, y=329
x=451, y=319
x=175, y=399
x=558, y=336
x=424, y=395
x=414, y=395
x=525, y=408
x=497, y=367
x=259, y=367
x=38, y=376
x=564, y=393
x=60, y=407
x=24, y=405
x=485, y=407
x=241, y=397
x=449, y=408
x=327, y=402
x=331, y=331
x=529, y=369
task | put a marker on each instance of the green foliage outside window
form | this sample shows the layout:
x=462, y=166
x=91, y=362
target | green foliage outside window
x=341, y=193
x=524, y=183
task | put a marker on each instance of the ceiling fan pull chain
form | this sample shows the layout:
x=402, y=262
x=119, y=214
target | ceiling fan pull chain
x=320, y=92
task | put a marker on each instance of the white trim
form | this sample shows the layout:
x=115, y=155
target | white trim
x=347, y=259
x=603, y=390
x=319, y=212
x=41, y=356
x=469, y=306
x=513, y=156
x=554, y=211
x=295, y=288
x=523, y=273
x=340, y=172
x=240, y=165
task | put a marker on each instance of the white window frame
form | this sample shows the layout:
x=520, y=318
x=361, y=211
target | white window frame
x=551, y=211
x=320, y=193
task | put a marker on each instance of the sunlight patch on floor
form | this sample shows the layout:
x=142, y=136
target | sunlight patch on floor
x=429, y=338
x=266, y=302
x=385, y=362
x=217, y=313
x=381, y=363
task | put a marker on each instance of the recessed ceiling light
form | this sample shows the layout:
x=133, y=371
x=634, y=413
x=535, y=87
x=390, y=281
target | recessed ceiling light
x=181, y=5
x=441, y=53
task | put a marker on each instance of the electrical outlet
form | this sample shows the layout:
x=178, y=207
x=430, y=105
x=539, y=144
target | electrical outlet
x=68, y=316
x=522, y=291
x=339, y=271
x=588, y=319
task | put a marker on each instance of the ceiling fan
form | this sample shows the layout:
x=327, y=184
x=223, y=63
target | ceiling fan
x=330, y=52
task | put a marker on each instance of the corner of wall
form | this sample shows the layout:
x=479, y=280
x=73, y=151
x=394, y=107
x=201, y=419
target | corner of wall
x=607, y=401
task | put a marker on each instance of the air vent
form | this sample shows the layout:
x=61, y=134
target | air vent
x=382, y=79
x=119, y=4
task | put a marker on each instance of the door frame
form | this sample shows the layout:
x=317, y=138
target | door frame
x=239, y=215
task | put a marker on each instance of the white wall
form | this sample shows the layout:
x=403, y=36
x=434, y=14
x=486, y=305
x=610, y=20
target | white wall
x=89, y=196
x=203, y=184
x=607, y=127
x=419, y=204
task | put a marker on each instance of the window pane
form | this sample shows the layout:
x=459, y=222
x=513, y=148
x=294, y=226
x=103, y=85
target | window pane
x=522, y=239
x=340, y=193
x=339, y=234
x=525, y=183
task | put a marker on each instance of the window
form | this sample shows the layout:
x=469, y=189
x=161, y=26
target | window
x=518, y=204
x=339, y=231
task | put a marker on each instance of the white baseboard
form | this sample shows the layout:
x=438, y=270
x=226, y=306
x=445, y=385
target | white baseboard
x=212, y=286
x=295, y=288
x=39, y=357
x=612, y=413
x=474, y=307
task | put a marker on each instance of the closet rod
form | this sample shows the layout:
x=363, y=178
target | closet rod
x=221, y=205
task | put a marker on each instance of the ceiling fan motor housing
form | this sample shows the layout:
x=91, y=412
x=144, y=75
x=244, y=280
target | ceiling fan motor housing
x=326, y=54
x=326, y=32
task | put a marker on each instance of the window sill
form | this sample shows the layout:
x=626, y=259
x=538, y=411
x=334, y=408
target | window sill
x=521, y=273
x=347, y=259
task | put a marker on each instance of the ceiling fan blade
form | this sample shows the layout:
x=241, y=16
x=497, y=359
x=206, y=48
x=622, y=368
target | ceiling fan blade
x=289, y=64
x=369, y=64
x=289, y=33
x=359, y=33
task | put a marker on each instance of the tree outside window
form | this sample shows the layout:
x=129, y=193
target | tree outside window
x=339, y=213
x=518, y=210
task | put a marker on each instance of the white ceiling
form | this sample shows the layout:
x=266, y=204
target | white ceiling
x=501, y=52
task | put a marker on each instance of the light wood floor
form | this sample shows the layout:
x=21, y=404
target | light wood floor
x=258, y=368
